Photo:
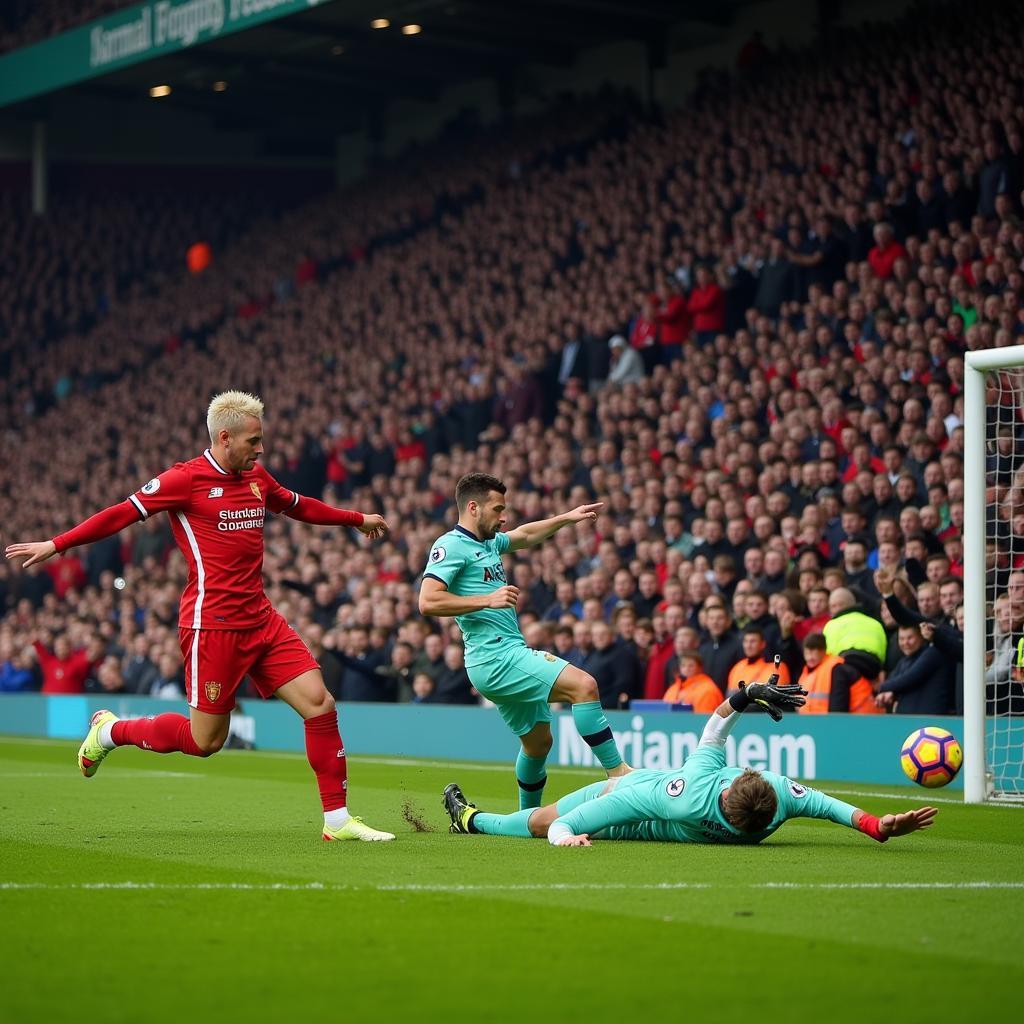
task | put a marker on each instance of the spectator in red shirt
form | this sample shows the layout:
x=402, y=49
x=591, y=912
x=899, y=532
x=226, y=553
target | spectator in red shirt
x=65, y=670
x=306, y=271
x=336, y=468
x=817, y=614
x=644, y=334
x=662, y=651
x=409, y=447
x=707, y=307
x=67, y=573
x=885, y=252
x=673, y=321
x=861, y=459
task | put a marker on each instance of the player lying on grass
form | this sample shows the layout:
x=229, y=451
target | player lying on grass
x=702, y=802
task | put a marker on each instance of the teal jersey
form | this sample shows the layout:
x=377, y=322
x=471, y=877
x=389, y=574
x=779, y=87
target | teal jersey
x=682, y=806
x=468, y=566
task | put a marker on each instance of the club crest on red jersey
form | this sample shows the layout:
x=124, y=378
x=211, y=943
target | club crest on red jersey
x=255, y=488
x=212, y=691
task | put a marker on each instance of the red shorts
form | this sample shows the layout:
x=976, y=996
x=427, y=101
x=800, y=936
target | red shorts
x=216, y=661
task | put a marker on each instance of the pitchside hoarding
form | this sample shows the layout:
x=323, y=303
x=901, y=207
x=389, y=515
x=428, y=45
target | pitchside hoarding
x=128, y=37
x=850, y=748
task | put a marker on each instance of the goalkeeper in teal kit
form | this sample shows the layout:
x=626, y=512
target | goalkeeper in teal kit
x=464, y=578
x=702, y=802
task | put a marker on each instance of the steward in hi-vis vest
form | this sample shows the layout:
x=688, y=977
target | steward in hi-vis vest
x=831, y=684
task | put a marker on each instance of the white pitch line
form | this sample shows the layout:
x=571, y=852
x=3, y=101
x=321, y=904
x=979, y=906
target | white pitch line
x=484, y=888
x=662, y=886
x=131, y=773
x=926, y=797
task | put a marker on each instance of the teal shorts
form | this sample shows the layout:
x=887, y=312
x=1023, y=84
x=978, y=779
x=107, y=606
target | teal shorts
x=519, y=683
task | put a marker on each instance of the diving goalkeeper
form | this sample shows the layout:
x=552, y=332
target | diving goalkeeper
x=702, y=802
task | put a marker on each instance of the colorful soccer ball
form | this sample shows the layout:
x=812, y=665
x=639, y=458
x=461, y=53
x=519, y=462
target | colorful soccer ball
x=931, y=756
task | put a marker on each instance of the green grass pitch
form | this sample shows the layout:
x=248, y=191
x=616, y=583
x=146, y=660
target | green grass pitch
x=170, y=889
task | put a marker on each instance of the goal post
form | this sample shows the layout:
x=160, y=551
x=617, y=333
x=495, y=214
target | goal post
x=993, y=745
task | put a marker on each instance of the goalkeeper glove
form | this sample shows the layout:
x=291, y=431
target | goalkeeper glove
x=773, y=698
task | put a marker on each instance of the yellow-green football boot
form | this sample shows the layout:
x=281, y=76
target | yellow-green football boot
x=92, y=752
x=356, y=828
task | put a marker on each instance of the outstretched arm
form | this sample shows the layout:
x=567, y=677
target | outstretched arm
x=885, y=581
x=164, y=493
x=775, y=699
x=529, y=534
x=798, y=801
x=311, y=510
x=719, y=725
x=575, y=828
x=891, y=825
x=104, y=524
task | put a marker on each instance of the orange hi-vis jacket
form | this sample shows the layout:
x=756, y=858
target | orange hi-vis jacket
x=699, y=690
x=754, y=672
x=818, y=684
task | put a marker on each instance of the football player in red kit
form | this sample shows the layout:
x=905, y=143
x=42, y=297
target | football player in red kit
x=228, y=629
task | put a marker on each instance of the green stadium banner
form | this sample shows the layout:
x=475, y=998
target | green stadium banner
x=128, y=37
x=846, y=748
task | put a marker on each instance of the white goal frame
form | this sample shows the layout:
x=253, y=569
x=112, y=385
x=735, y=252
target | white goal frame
x=977, y=778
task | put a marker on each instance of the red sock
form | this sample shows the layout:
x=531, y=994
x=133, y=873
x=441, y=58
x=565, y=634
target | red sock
x=164, y=733
x=326, y=755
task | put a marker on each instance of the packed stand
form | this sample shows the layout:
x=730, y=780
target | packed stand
x=790, y=284
x=74, y=285
x=24, y=22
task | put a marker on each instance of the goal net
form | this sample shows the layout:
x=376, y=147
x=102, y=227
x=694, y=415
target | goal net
x=994, y=575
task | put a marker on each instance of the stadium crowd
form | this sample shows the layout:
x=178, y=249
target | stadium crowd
x=100, y=258
x=741, y=326
x=24, y=22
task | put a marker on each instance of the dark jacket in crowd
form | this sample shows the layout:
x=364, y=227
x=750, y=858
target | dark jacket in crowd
x=360, y=680
x=718, y=656
x=139, y=674
x=922, y=683
x=453, y=687
x=947, y=639
x=616, y=670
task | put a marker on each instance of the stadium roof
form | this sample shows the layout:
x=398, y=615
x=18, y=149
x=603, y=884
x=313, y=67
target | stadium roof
x=328, y=66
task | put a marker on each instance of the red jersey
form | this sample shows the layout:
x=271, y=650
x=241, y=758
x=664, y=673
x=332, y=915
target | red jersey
x=707, y=307
x=674, y=320
x=217, y=521
x=67, y=676
x=882, y=260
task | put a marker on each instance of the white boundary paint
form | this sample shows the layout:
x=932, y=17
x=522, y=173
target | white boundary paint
x=320, y=887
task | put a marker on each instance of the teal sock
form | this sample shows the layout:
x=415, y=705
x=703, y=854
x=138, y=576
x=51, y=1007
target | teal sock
x=597, y=733
x=531, y=776
x=516, y=824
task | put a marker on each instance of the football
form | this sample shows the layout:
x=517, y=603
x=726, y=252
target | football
x=931, y=756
